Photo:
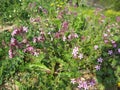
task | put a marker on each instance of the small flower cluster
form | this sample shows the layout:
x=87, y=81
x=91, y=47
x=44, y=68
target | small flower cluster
x=37, y=19
x=16, y=44
x=40, y=38
x=76, y=53
x=18, y=31
x=61, y=32
x=31, y=50
x=102, y=19
x=107, y=36
x=97, y=11
x=72, y=36
x=83, y=84
x=99, y=60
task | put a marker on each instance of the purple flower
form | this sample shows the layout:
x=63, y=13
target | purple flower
x=85, y=85
x=110, y=52
x=92, y=82
x=100, y=60
x=118, y=50
x=97, y=67
x=73, y=81
x=80, y=86
x=114, y=45
x=80, y=56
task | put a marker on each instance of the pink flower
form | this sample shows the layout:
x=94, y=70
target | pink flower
x=106, y=41
x=10, y=52
x=30, y=48
x=15, y=32
x=112, y=41
x=39, y=38
x=13, y=42
x=35, y=40
x=105, y=35
x=75, y=35
x=85, y=85
x=65, y=25
x=96, y=47
x=69, y=36
x=72, y=36
x=57, y=35
x=25, y=29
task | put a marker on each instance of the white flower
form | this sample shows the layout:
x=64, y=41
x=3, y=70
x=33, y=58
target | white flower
x=80, y=56
x=96, y=47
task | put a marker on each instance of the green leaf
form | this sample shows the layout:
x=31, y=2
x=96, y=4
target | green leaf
x=41, y=66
